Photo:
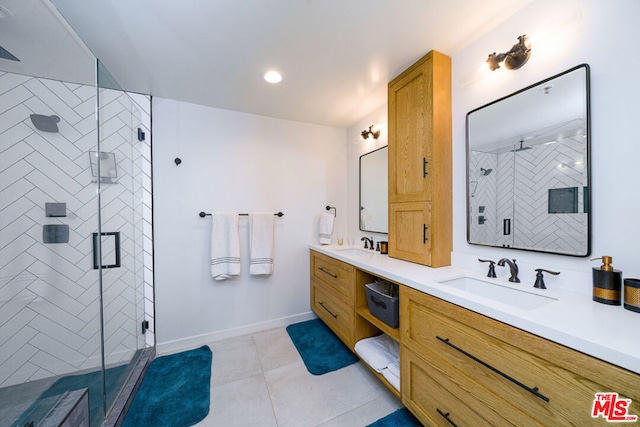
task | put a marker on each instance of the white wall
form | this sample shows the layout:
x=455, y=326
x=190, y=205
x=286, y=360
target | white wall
x=356, y=147
x=240, y=163
x=565, y=33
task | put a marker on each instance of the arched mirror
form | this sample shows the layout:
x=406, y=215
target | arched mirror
x=528, y=174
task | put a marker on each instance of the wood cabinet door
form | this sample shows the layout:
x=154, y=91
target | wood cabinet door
x=410, y=126
x=410, y=231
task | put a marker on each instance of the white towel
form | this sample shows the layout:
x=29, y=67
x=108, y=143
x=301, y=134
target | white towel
x=261, y=262
x=325, y=228
x=225, y=246
x=393, y=379
x=394, y=368
x=378, y=352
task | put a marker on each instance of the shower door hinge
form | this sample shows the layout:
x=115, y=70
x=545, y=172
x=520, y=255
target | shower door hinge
x=145, y=326
x=140, y=135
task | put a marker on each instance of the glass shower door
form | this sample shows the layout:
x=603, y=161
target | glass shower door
x=49, y=294
x=119, y=163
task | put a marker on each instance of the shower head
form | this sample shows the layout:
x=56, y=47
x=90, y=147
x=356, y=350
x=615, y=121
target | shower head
x=485, y=172
x=45, y=123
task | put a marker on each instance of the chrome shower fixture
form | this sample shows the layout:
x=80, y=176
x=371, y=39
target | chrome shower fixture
x=485, y=172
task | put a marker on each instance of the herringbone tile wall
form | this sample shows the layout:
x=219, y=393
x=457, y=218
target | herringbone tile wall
x=529, y=175
x=49, y=293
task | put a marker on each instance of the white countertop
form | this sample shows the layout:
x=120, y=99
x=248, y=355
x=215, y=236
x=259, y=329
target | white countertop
x=607, y=332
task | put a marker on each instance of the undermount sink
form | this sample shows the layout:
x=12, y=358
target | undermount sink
x=355, y=251
x=500, y=293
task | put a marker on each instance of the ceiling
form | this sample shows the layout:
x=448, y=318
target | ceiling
x=336, y=55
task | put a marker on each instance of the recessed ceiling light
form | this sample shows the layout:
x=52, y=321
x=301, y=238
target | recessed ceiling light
x=272, y=76
x=6, y=15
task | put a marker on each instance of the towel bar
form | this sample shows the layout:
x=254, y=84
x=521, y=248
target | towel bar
x=202, y=214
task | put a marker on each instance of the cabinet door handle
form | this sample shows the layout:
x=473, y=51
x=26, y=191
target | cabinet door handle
x=424, y=233
x=335, y=276
x=424, y=167
x=446, y=417
x=533, y=390
x=335, y=316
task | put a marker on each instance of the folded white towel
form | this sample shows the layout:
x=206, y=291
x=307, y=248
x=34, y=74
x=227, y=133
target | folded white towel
x=393, y=379
x=225, y=246
x=325, y=228
x=261, y=262
x=394, y=368
x=378, y=352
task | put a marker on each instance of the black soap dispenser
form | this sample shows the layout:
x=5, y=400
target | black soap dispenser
x=607, y=283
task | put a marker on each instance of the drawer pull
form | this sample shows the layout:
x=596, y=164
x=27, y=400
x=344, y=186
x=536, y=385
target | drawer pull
x=335, y=316
x=446, y=417
x=335, y=276
x=497, y=371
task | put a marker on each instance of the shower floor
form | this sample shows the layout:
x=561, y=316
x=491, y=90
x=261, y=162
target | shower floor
x=31, y=401
x=16, y=399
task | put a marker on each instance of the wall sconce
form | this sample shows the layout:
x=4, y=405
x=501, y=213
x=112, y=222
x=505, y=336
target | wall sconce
x=515, y=58
x=366, y=134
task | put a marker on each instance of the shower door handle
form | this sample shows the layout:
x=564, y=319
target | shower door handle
x=110, y=236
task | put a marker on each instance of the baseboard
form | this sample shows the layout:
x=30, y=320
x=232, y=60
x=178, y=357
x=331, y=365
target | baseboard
x=169, y=347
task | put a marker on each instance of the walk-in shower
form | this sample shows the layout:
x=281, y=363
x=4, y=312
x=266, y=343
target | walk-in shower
x=76, y=257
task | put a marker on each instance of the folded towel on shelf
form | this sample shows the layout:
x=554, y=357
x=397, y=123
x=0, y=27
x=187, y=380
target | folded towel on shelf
x=325, y=228
x=225, y=246
x=393, y=379
x=261, y=259
x=378, y=352
x=394, y=368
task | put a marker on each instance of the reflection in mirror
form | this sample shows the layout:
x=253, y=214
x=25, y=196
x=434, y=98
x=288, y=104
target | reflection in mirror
x=373, y=191
x=528, y=168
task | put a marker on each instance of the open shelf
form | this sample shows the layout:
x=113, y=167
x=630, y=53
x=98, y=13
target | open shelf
x=366, y=314
x=383, y=379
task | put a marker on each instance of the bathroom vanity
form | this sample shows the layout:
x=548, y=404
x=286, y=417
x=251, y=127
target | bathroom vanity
x=479, y=351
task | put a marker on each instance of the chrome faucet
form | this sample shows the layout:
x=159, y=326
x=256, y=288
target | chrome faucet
x=513, y=267
x=367, y=240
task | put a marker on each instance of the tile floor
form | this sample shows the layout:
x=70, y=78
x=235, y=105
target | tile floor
x=260, y=380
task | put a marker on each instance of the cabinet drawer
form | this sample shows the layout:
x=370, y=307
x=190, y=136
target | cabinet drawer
x=335, y=313
x=442, y=399
x=334, y=273
x=540, y=378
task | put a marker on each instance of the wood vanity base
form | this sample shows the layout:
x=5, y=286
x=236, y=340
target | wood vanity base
x=459, y=367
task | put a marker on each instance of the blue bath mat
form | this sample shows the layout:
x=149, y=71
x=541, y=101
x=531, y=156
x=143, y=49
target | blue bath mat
x=400, y=418
x=321, y=350
x=175, y=391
